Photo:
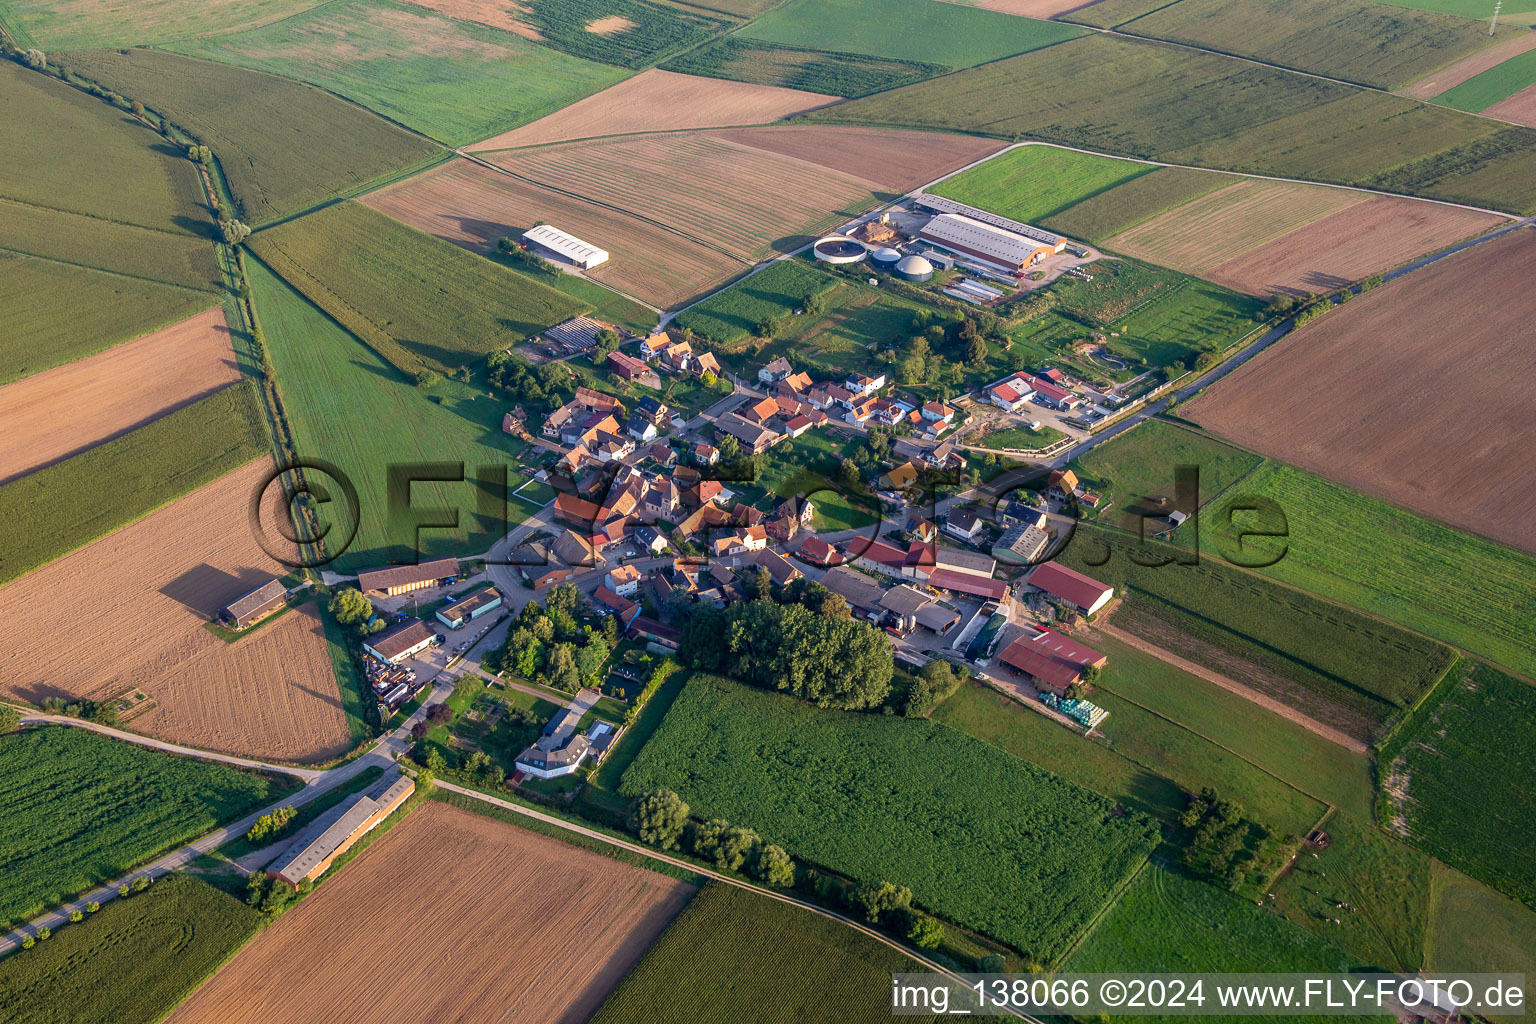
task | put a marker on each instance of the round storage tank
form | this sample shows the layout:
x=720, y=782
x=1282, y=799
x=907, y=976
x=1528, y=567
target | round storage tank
x=915, y=268
x=885, y=258
x=839, y=249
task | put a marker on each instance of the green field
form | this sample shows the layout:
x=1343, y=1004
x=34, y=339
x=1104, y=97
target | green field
x=1381, y=559
x=777, y=290
x=1033, y=182
x=79, y=24
x=1386, y=883
x=86, y=156
x=1106, y=214
x=1019, y=438
x=1139, y=464
x=1468, y=759
x=418, y=301
x=1167, y=922
x=803, y=967
x=1241, y=729
x=1109, y=13
x=1354, y=40
x=991, y=842
x=608, y=306
x=453, y=80
x=1518, y=12
x=798, y=67
x=61, y=507
x=1146, y=100
x=349, y=407
x=1118, y=288
x=859, y=324
x=655, y=30
x=161, y=256
x=1498, y=83
x=1194, y=317
x=283, y=146
x=56, y=313
x=79, y=809
x=1361, y=665
x=1473, y=928
x=947, y=34
x=132, y=961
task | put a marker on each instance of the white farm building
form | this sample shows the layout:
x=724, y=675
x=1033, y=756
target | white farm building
x=984, y=243
x=584, y=254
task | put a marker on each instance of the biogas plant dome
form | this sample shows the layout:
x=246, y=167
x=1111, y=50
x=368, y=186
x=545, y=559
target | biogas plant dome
x=915, y=268
x=885, y=258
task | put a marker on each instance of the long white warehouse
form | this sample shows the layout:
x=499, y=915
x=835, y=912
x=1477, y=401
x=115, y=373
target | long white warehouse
x=584, y=254
x=993, y=245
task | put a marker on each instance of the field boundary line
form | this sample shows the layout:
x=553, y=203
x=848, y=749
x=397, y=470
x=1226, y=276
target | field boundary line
x=210, y=291
x=1109, y=904
x=710, y=873
x=30, y=717
x=106, y=220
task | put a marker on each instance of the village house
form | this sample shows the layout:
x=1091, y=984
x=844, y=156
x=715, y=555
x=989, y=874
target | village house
x=623, y=580
x=775, y=371
x=963, y=524
x=753, y=437
x=862, y=385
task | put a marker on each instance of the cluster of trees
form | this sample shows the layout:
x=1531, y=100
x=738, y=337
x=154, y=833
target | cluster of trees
x=662, y=819
x=796, y=640
x=351, y=608
x=512, y=248
x=88, y=710
x=1221, y=834
x=550, y=646
x=272, y=824
x=607, y=342
x=231, y=230
x=10, y=718
x=931, y=686
x=543, y=387
x=942, y=351
x=271, y=896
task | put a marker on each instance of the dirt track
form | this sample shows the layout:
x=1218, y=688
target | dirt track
x=658, y=100
x=128, y=611
x=452, y=916
x=52, y=415
x=1414, y=392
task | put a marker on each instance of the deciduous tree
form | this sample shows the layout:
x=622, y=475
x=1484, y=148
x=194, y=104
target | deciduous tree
x=659, y=818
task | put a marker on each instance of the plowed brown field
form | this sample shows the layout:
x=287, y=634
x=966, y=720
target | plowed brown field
x=502, y=14
x=1470, y=66
x=661, y=101
x=473, y=206
x=451, y=916
x=1029, y=8
x=1358, y=241
x=895, y=160
x=1413, y=392
x=54, y=414
x=1519, y=108
x=128, y=611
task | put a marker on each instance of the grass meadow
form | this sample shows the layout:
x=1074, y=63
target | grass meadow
x=1033, y=182
x=132, y=961
x=56, y=312
x=804, y=967
x=1473, y=928
x=80, y=808
x=351, y=408
x=1386, y=561
x=952, y=35
x=283, y=146
x=61, y=507
x=452, y=80
x=734, y=313
x=1140, y=463
x=1195, y=317
x=418, y=301
x=992, y=842
x=1105, y=214
x=1497, y=83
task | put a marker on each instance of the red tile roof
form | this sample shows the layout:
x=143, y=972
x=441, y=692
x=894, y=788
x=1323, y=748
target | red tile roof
x=965, y=583
x=574, y=509
x=1068, y=584
x=1052, y=658
x=814, y=549
x=880, y=551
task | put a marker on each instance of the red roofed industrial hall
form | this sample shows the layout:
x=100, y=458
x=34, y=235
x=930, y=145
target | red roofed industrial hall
x=1087, y=593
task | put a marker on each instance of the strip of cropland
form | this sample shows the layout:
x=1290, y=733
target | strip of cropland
x=658, y=100
x=946, y=34
x=1034, y=182
x=349, y=407
x=422, y=304
x=1337, y=666
x=1355, y=40
x=283, y=146
x=1143, y=197
x=804, y=967
x=452, y=80
x=141, y=597
x=1168, y=103
x=1382, y=353
x=802, y=68
x=1499, y=83
x=132, y=961
x=1471, y=66
x=80, y=24
x=51, y=415
x=597, y=917
x=162, y=256
x=1029, y=868
x=80, y=808
x=624, y=33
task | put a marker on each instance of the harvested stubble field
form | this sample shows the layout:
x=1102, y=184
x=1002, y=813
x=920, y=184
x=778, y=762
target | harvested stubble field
x=56, y=312
x=283, y=146
x=1364, y=239
x=1470, y=66
x=426, y=922
x=87, y=156
x=658, y=100
x=897, y=161
x=1027, y=8
x=1519, y=108
x=472, y=205
x=51, y=415
x=448, y=79
x=1355, y=40
x=747, y=201
x=1441, y=416
x=141, y=596
x=78, y=24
